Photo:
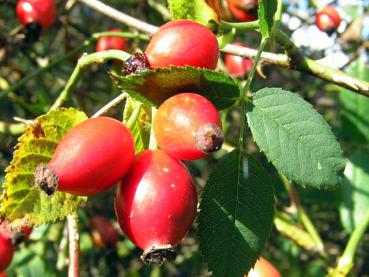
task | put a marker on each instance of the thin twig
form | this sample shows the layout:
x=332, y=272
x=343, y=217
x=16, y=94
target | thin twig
x=73, y=270
x=121, y=17
x=61, y=262
x=111, y=104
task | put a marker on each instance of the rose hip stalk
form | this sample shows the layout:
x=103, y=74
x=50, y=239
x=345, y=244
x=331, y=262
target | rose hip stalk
x=156, y=204
x=187, y=126
x=89, y=159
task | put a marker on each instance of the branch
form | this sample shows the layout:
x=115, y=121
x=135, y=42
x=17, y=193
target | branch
x=120, y=17
x=85, y=60
x=301, y=63
x=73, y=270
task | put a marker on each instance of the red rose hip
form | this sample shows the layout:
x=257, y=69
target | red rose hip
x=183, y=42
x=103, y=232
x=107, y=43
x=156, y=204
x=263, y=268
x=237, y=66
x=16, y=235
x=6, y=252
x=244, y=10
x=187, y=126
x=328, y=19
x=36, y=11
x=89, y=159
x=35, y=15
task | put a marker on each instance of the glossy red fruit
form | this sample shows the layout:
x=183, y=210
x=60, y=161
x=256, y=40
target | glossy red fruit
x=244, y=10
x=17, y=235
x=328, y=19
x=103, y=233
x=187, y=126
x=107, y=43
x=90, y=158
x=263, y=268
x=156, y=204
x=6, y=252
x=237, y=66
x=183, y=42
x=41, y=12
x=3, y=274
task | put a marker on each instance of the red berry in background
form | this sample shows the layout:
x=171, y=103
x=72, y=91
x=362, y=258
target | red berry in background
x=35, y=15
x=3, y=274
x=237, y=66
x=42, y=12
x=244, y=10
x=156, y=204
x=187, y=126
x=6, y=252
x=89, y=159
x=263, y=268
x=103, y=233
x=328, y=19
x=183, y=42
x=107, y=43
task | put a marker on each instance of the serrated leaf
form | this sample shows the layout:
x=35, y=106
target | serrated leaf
x=201, y=11
x=236, y=215
x=152, y=87
x=266, y=12
x=142, y=126
x=355, y=190
x=295, y=138
x=355, y=107
x=21, y=201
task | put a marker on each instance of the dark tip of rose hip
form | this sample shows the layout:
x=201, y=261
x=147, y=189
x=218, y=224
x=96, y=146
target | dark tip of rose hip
x=32, y=32
x=46, y=179
x=135, y=64
x=159, y=254
x=209, y=138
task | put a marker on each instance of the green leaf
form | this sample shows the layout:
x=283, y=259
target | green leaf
x=152, y=87
x=266, y=12
x=21, y=201
x=141, y=127
x=355, y=107
x=200, y=11
x=236, y=215
x=295, y=138
x=355, y=190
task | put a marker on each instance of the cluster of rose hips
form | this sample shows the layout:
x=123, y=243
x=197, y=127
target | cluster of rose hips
x=156, y=200
x=9, y=238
